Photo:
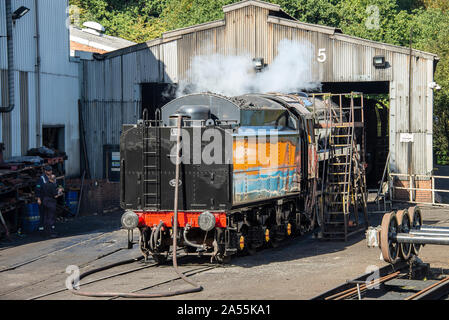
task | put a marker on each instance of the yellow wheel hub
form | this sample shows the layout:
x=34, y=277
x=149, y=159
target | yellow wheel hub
x=267, y=235
x=242, y=242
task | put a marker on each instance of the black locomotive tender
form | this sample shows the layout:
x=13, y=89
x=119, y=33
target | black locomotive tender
x=235, y=203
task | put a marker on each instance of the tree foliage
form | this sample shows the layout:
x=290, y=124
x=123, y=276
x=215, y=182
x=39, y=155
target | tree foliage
x=388, y=21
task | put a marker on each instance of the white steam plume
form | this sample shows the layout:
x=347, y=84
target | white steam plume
x=290, y=71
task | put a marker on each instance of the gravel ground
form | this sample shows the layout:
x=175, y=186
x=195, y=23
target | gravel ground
x=299, y=269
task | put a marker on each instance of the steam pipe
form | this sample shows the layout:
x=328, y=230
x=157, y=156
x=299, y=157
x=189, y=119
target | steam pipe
x=10, y=49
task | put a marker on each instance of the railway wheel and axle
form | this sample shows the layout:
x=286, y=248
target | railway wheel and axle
x=405, y=249
x=389, y=247
x=416, y=221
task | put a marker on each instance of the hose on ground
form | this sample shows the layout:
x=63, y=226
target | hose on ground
x=196, y=287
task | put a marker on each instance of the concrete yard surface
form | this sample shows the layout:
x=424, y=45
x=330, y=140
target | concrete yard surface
x=300, y=268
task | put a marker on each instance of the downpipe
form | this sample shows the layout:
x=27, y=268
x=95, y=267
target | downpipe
x=38, y=74
x=10, y=49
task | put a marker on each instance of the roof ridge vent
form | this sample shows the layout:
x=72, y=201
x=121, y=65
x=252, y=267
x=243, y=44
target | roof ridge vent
x=94, y=28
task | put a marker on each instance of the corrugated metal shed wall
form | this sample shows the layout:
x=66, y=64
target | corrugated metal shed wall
x=59, y=78
x=111, y=94
x=250, y=30
x=3, y=46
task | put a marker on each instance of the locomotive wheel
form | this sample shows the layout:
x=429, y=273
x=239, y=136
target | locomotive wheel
x=270, y=241
x=389, y=247
x=405, y=249
x=416, y=219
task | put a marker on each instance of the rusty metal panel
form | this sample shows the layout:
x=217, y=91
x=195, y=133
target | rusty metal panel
x=262, y=34
x=186, y=50
x=205, y=42
x=170, y=62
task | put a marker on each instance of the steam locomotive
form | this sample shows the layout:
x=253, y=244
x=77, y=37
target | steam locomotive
x=248, y=174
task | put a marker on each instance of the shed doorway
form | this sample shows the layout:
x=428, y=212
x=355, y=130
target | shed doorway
x=156, y=95
x=376, y=122
x=53, y=137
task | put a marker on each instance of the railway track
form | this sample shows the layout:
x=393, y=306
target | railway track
x=40, y=257
x=402, y=281
x=202, y=267
x=186, y=263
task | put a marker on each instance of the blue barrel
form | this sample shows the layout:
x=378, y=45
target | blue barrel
x=31, y=218
x=72, y=201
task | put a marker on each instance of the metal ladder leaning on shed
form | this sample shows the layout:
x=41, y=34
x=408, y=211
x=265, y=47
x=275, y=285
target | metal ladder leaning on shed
x=344, y=185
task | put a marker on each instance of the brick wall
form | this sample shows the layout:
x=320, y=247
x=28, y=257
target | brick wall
x=420, y=196
x=99, y=196
x=82, y=47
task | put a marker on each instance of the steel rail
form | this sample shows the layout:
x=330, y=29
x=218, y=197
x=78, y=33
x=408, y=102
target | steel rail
x=363, y=288
x=420, y=293
x=52, y=276
x=351, y=291
x=21, y=264
x=95, y=280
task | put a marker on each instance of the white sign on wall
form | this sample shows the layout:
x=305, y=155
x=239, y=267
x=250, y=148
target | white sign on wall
x=406, y=137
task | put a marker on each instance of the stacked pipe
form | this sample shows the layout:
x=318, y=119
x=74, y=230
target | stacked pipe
x=425, y=235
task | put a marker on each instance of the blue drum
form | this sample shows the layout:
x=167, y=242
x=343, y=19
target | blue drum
x=72, y=201
x=31, y=218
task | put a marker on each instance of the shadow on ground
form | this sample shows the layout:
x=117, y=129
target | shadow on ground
x=69, y=228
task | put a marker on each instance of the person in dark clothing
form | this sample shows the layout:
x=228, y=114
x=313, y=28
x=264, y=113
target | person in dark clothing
x=49, y=193
x=43, y=180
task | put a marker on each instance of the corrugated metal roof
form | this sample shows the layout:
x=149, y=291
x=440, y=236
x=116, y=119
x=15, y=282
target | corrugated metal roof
x=102, y=41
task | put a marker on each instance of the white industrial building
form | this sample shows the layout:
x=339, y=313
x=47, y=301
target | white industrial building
x=38, y=79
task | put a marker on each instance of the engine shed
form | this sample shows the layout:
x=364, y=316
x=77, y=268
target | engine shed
x=118, y=86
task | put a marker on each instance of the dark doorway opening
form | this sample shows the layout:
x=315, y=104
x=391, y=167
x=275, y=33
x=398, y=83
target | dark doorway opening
x=156, y=95
x=53, y=137
x=377, y=140
x=376, y=123
x=368, y=87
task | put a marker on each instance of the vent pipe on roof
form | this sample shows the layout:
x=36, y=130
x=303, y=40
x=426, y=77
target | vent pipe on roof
x=94, y=28
x=10, y=49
